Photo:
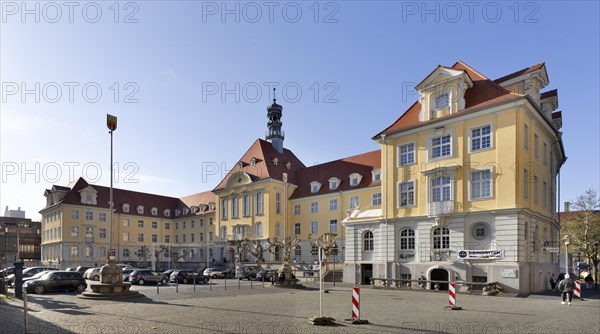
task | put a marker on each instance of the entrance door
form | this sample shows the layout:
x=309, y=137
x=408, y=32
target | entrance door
x=439, y=275
x=367, y=273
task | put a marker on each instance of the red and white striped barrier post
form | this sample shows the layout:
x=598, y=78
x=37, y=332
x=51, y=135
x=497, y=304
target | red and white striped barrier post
x=577, y=293
x=452, y=295
x=356, y=303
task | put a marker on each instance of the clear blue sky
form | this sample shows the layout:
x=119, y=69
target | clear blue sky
x=351, y=61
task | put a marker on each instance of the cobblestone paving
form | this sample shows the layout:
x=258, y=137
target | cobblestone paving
x=275, y=310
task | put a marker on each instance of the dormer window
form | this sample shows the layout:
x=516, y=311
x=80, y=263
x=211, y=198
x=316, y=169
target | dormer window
x=240, y=164
x=167, y=213
x=211, y=206
x=186, y=211
x=288, y=165
x=194, y=209
x=202, y=208
x=442, y=101
x=125, y=207
x=177, y=212
x=253, y=161
x=355, y=179
x=140, y=209
x=376, y=174
x=275, y=161
x=334, y=183
x=154, y=211
x=315, y=186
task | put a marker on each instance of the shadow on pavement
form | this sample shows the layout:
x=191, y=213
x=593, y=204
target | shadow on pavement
x=11, y=321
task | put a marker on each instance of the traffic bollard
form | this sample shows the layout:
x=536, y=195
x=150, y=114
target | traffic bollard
x=210, y=284
x=194, y=284
x=177, y=287
x=157, y=285
x=225, y=283
x=251, y=280
x=239, y=283
x=263, y=281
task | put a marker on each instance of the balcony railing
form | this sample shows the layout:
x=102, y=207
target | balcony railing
x=440, y=208
x=441, y=255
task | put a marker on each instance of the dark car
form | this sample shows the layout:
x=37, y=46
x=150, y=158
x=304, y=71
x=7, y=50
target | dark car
x=185, y=277
x=36, y=276
x=56, y=281
x=27, y=272
x=143, y=276
x=266, y=274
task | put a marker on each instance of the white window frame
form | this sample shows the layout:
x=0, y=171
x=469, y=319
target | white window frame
x=408, y=191
x=407, y=154
x=443, y=237
x=471, y=184
x=536, y=146
x=278, y=203
x=408, y=240
x=333, y=226
x=368, y=244
x=315, y=186
x=333, y=204
x=441, y=146
x=545, y=153
x=376, y=199
x=353, y=202
x=297, y=209
x=234, y=207
x=259, y=203
x=376, y=175
x=314, y=227
x=314, y=207
x=102, y=233
x=245, y=205
x=224, y=208
x=89, y=215
x=355, y=179
x=545, y=193
x=297, y=228
x=525, y=183
x=102, y=216
x=490, y=136
x=74, y=214
x=334, y=183
x=536, y=192
x=432, y=187
x=258, y=229
x=526, y=136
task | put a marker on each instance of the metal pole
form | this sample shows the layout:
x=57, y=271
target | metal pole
x=177, y=286
x=210, y=284
x=25, y=311
x=110, y=213
x=239, y=283
x=225, y=283
x=320, y=284
x=194, y=284
x=251, y=280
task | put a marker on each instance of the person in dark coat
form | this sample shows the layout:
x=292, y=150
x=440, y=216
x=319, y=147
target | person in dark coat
x=552, y=281
x=566, y=287
x=589, y=280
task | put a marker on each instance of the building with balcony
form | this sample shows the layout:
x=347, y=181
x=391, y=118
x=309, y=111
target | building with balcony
x=20, y=240
x=468, y=184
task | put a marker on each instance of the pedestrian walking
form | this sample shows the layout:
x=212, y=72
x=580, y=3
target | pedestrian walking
x=566, y=287
x=553, y=281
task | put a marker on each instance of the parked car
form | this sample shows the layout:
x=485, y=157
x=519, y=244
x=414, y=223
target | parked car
x=7, y=271
x=143, y=276
x=266, y=274
x=245, y=272
x=124, y=266
x=126, y=273
x=27, y=272
x=82, y=269
x=92, y=273
x=36, y=276
x=56, y=281
x=168, y=272
x=185, y=277
x=70, y=269
x=219, y=273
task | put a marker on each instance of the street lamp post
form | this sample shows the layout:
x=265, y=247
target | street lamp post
x=111, y=123
x=578, y=264
x=596, y=244
x=567, y=240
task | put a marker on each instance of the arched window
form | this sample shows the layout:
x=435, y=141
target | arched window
x=534, y=237
x=407, y=239
x=258, y=230
x=224, y=232
x=277, y=229
x=126, y=252
x=368, y=241
x=441, y=238
x=314, y=250
x=298, y=251
x=192, y=253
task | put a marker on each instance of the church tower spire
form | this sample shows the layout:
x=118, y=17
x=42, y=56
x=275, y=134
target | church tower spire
x=275, y=136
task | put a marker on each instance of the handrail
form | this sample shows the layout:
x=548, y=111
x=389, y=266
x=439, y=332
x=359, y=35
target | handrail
x=489, y=288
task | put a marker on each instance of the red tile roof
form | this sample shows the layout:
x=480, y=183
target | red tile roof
x=203, y=198
x=484, y=93
x=362, y=164
x=264, y=168
x=520, y=72
x=120, y=197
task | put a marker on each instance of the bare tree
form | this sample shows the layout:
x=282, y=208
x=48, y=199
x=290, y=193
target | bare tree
x=142, y=253
x=583, y=225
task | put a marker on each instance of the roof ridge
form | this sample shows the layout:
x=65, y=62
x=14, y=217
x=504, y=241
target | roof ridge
x=344, y=158
x=472, y=69
x=512, y=75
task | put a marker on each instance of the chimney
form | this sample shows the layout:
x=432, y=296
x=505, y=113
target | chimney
x=567, y=206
